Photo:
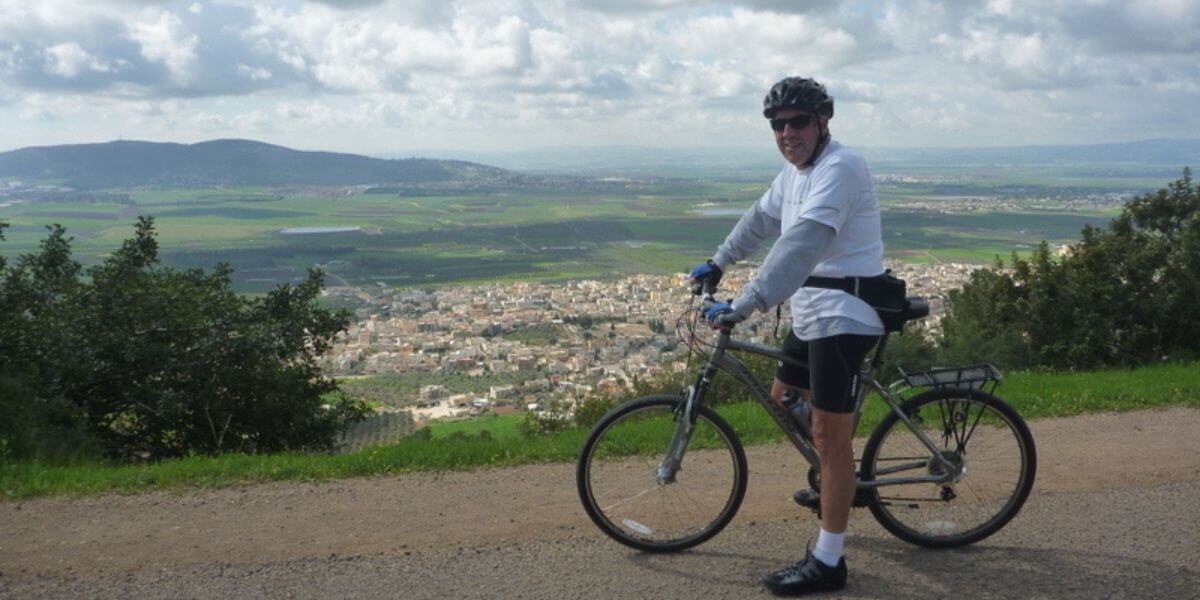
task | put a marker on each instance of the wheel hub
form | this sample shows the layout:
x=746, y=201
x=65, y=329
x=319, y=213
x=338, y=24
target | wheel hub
x=952, y=457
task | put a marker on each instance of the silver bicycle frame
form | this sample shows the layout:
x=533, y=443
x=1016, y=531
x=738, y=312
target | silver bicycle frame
x=721, y=360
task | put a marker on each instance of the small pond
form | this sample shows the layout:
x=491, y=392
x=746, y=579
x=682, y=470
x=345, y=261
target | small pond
x=308, y=230
x=721, y=211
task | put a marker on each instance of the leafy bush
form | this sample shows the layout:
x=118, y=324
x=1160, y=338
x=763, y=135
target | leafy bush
x=152, y=362
x=1121, y=296
x=591, y=409
x=552, y=419
x=911, y=350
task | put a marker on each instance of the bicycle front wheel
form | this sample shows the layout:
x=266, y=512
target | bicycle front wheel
x=624, y=493
x=993, y=466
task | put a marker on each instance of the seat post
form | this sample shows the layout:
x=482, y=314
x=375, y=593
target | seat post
x=877, y=360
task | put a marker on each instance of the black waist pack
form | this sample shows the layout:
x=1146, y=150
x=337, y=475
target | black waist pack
x=885, y=293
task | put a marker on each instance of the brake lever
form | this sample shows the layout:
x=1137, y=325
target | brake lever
x=706, y=302
x=704, y=286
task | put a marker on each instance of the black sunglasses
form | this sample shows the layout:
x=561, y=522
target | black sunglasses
x=797, y=122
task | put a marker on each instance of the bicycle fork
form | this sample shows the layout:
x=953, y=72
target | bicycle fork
x=685, y=424
x=685, y=419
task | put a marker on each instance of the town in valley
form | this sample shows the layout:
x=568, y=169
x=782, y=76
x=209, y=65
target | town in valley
x=594, y=336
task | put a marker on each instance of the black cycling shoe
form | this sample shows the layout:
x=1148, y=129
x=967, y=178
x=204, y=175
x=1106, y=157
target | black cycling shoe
x=812, y=499
x=808, y=498
x=805, y=577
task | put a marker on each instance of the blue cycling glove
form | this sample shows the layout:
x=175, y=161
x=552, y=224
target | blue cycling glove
x=707, y=271
x=722, y=313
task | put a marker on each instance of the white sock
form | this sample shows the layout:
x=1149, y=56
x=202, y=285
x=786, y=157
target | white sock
x=829, y=547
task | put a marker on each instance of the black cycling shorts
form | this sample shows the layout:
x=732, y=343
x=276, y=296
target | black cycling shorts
x=833, y=366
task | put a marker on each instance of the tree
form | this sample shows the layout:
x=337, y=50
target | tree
x=910, y=350
x=656, y=325
x=1124, y=295
x=38, y=349
x=158, y=362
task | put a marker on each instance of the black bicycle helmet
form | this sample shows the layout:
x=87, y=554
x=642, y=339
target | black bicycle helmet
x=799, y=92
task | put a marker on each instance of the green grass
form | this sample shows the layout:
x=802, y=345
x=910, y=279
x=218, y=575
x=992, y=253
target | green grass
x=1034, y=395
x=1038, y=395
x=499, y=427
x=539, y=334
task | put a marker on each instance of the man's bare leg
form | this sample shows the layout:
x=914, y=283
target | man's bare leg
x=832, y=435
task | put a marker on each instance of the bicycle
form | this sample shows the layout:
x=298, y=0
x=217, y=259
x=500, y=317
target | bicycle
x=946, y=467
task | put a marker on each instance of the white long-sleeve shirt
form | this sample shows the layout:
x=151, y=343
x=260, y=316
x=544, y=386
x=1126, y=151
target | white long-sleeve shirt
x=828, y=221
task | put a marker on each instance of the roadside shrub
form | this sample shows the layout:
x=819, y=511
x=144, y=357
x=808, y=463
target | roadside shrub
x=911, y=350
x=591, y=409
x=552, y=419
x=1121, y=296
x=152, y=362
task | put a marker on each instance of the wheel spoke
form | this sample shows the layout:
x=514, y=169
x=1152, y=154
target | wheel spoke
x=967, y=436
x=610, y=507
x=992, y=454
x=623, y=496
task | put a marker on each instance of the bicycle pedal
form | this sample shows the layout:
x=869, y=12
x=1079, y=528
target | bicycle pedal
x=861, y=499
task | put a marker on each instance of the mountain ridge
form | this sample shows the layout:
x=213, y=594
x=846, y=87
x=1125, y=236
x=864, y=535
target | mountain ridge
x=234, y=161
x=1170, y=153
x=230, y=162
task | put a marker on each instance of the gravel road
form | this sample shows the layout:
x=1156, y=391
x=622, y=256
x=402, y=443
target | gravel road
x=1113, y=515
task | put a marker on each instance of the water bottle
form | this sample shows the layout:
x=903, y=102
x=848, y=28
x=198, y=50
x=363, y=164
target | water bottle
x=800, y=411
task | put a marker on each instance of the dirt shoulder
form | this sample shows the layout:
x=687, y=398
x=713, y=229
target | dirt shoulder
x=420, y=513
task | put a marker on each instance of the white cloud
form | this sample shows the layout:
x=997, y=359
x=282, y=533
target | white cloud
x=496, y=47
x=70, y=59
x=1023, y=61
x=1056, y=44
x=851, y=90
x=255, y=73
x=913, y=72
x=625, y=6
x=163, y=39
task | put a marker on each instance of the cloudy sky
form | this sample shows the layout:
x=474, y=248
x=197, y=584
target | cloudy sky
x=387, y=77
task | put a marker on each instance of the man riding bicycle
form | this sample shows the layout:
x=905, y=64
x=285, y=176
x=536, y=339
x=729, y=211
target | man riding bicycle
x=822, y=206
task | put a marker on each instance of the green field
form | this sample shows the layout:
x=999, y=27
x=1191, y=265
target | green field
x=656, y=227
x=498, y=427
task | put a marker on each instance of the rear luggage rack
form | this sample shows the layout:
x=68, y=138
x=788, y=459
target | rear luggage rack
x=975, y=377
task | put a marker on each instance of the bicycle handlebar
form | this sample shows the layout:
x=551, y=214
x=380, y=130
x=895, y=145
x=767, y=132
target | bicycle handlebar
x=707, y=300
x=705, y=287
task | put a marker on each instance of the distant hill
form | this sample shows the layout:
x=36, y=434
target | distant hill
x=1160, y=152
x=125, y=164
x=762, y=160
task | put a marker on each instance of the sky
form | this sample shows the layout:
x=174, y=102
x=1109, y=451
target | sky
x=390, y=77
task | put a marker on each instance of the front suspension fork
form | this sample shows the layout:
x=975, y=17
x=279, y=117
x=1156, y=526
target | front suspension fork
x=685, y=419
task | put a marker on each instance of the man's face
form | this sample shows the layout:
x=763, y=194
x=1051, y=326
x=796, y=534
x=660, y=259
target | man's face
x=796, y=144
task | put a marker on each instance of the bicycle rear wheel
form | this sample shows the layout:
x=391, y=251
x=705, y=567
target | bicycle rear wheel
x=620, y=488
x=984, y=438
